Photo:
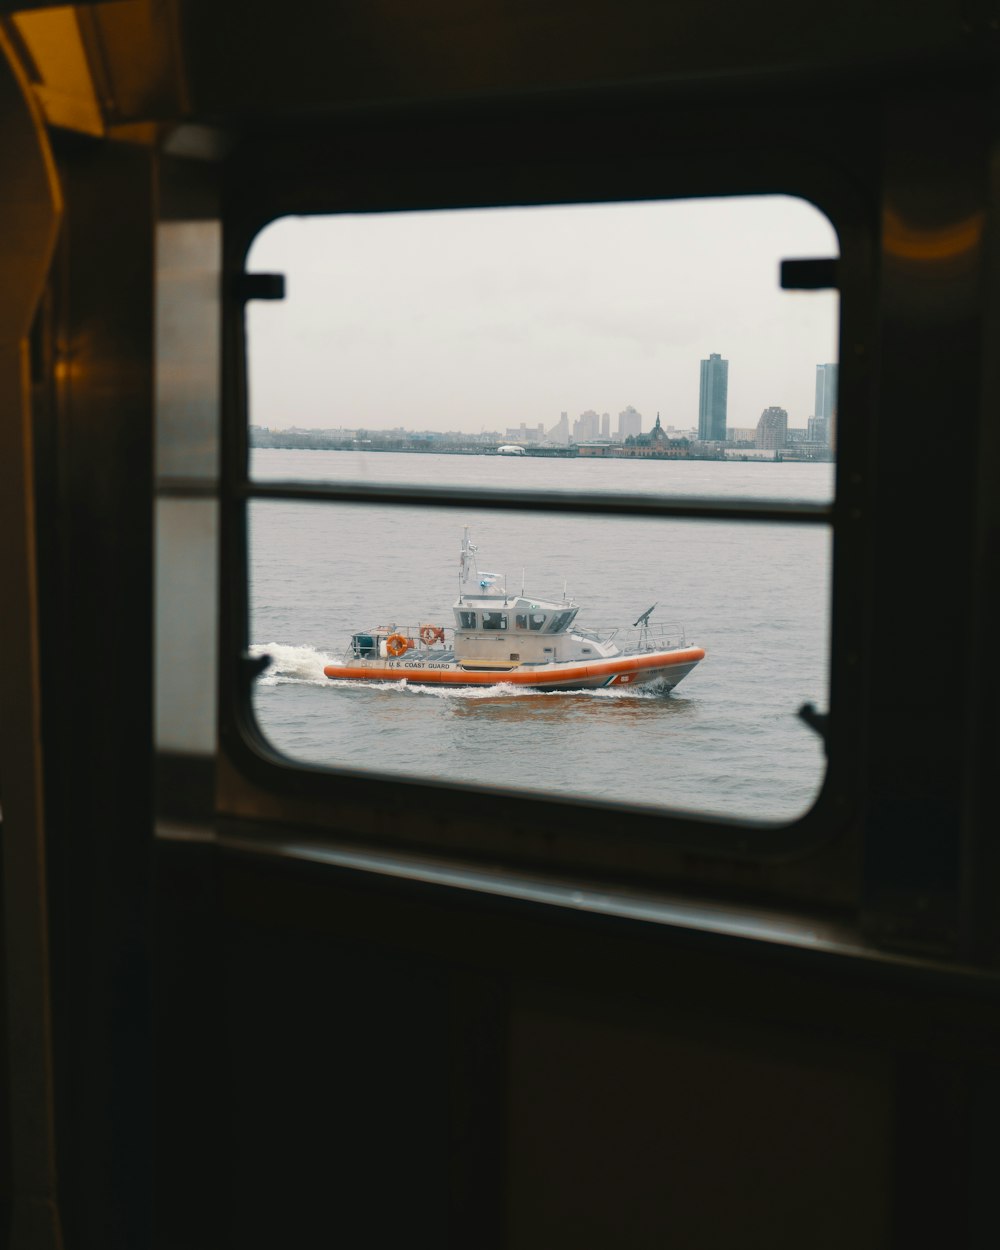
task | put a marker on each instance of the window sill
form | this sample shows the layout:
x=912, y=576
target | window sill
x=781, y=929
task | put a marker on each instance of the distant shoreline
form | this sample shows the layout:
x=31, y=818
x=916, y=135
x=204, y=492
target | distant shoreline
x=787, y=455
x=458, y=449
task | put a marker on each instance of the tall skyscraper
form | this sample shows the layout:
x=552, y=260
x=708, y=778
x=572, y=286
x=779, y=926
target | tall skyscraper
x=713, y=398
x=772, y=429
x=629, y=423
x=560, y=431
x=826, y=398
x=586, y=426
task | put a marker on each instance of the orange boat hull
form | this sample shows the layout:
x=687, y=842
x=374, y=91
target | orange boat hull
x=667, y=666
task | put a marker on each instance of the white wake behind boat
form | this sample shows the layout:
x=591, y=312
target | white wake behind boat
x=517, y=640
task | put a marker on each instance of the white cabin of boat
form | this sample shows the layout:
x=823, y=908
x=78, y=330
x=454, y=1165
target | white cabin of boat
x=503, y=630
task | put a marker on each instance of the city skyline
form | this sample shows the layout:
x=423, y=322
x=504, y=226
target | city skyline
x=591, y=426
x=483, y=319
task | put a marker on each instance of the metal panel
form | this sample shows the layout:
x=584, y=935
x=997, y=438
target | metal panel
x=186, y=624
x=934, y=215
x=136, y=42
x=187, y=348
x=344, y=54
x=188, y=344
x=981, y=866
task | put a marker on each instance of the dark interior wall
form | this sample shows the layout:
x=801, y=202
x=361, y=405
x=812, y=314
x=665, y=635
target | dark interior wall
x=93, y=405
x=319, y=1075
x=347, y=1056
x=640, y=1123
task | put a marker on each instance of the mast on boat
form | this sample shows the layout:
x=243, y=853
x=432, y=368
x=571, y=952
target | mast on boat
x=467, y=562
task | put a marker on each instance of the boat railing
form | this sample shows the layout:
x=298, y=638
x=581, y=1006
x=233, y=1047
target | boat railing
x=427, y=638
x=639, y=638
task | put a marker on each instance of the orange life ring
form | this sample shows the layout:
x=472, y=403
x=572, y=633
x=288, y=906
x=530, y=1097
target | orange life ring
x=396, y=644
x=430, y=634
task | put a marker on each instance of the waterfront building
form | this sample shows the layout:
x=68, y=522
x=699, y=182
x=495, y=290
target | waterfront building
x=772, y=428
x=606, y=426
x=526, y=434
x=818, y=430
x=602, y=450
x=806, y=451
x=750, y=453
x=699, y=450
x=713, y=398
x=657, y=443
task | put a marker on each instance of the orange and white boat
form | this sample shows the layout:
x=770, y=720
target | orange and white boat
x=516, y=640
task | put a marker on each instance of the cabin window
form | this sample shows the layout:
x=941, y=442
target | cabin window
x=559, y=622
x=706, y=516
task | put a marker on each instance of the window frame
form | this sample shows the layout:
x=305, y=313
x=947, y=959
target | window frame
x=814, y=857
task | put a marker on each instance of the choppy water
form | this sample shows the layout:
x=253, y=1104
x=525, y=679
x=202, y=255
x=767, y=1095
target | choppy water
x=726, y=741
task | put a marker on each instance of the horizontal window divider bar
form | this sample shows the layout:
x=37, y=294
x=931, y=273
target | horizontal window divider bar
x=187, y=487
x=536, y=501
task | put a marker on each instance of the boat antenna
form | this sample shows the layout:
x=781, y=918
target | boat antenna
x=644, y=618
x=466, y=561
x=463, y=562
x=522, y=583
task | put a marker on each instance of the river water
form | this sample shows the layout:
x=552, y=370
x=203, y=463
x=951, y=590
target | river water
x=727, y=741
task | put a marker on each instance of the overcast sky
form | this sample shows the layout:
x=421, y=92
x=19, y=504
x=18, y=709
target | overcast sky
x=479, y=320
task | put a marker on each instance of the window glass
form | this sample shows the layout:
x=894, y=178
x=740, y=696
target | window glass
x=559, y=622
x=530, y=620
x=641, y=350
